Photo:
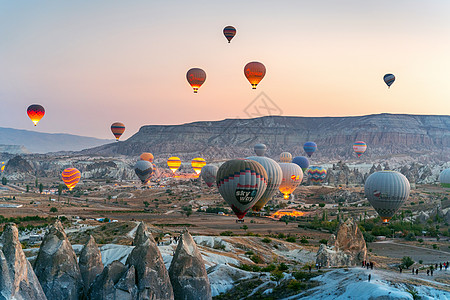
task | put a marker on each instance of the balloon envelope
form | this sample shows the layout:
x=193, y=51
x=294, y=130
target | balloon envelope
x=301, y=161
x=255, y=72
x=117, y=129
x=389, y=79
x=35, y=112
x=196, y=77
x=229, y=32
x=197, y=164
x=310, y=148
x=143, y=169
x=260, y=149
x=359, y=147
x=286, y=157
x=146, y=156
x=444, y=178
x=241, y=183
x=174, y=163
x=292, y=177
x=71, y=177
x=316, y=174
x=274, y=177
x=386, y=192
x=209, y=174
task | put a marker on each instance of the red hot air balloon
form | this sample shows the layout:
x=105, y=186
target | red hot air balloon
x=71, y=177
x=255, y=72
x=35, y=112
x=229, y=32
x=196, y=77
x=117, y=129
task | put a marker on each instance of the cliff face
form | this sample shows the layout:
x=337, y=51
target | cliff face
x=386, y=134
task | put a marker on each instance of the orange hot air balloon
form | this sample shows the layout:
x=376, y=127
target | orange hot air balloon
x=117, y=129
x=197, y=164
x=174, y=163
x=255, y=72
x=147, y=156
x=35, y=112
x=196, y=77
x=71, y=177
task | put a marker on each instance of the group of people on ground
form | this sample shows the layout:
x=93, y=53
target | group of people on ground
x=367, y=264
x=430, y=270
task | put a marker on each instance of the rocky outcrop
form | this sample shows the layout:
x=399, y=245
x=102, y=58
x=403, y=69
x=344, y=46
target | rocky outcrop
x=18, y=164
x=57, y=268
x=17, y=278
x=187, y=271
x=142, y=234
x=347, y=248
x=90, y=262
x=151, y=274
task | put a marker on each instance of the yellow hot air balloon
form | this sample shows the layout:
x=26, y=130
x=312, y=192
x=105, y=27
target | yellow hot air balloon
x=174, y=163
x=286, y=157
x=197, y=164
x=292, y=177
x=2, y=168
x=71, y=177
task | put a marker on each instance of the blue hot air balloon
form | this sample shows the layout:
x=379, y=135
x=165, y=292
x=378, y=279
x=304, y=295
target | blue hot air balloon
x=302, y=162
x=310, y=148
x=389, y=79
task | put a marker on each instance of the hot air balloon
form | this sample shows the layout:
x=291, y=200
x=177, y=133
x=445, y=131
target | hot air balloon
x=310, y=148
x=274, y=177
x=316, y=174
x=35, y=112
x=196, y=77
x=117, y=129
x=389, y=79
x=209, y=173
x=260, y=149
x=174, y=163
x=146, y=156
x=71, y=177
x=444, y=178
x=2, y=168
x=359, y=147
x=286, y=157
x=241, y=183
x=292, y=177
x=143, y=170
x=301, y=161
x=229, y=32
x=255, y=72
x=386, y=192
x=197, y=164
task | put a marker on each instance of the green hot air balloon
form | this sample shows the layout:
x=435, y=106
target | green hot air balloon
x=274, y=176
x=241, y=183
x=386, y=192
x=143, y=170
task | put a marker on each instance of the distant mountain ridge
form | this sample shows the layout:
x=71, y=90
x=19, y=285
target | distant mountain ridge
x=387, y=135
x=22, y=141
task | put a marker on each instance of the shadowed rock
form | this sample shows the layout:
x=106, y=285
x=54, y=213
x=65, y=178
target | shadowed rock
x=126, y=288
x=103, y=285
x=17, y=278
x=152, y=277
x=187, y=271
x=142, y=234
x=90, y=262
x=57, y=268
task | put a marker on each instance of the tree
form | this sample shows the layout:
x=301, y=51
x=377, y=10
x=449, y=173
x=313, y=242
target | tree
x=28, y=188
x=53, y=209
x=36, y=182
x=407, y=261
x=41, y=188
x=245, y=227
x=4, y=181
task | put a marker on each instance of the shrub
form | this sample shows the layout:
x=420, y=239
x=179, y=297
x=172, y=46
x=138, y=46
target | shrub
x=410, y=237
x=291, y=239
x=321, y=204
x=227, y=233
x=420, y=240
x=283, y=267
x=53, y=209
x=266, y=240
x=256, y=259
x=304, y=241
x=324, y=241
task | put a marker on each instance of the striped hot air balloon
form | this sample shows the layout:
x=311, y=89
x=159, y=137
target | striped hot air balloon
x=117, y=129
x=196, y=77
x=146, y=156
x=197, y=164
x=301, y=161
x=274, y=177
x=389, y=79
x=143, y=169
x=310, y=148
x=444, y=178
x=292, y=177
x=209, y=173
x=386, y=192
x=255, y=72
x=2, y=168
x=241, y=183
x=260, y=149
x=286, y=157
x=316, y=174
x=229, y=32
x=359, y=147
x=174, y=163
x=71, y=177
x=35, y=112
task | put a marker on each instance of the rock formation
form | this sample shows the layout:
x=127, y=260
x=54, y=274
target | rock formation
x=347, y=248
x=57, y=268
x=17, y=278
x=90, y=262
x=142, y=234
x=187, y=271
x=152, y=277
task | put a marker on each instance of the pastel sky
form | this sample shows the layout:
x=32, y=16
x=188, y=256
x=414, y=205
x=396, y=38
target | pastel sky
x=93, y=62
